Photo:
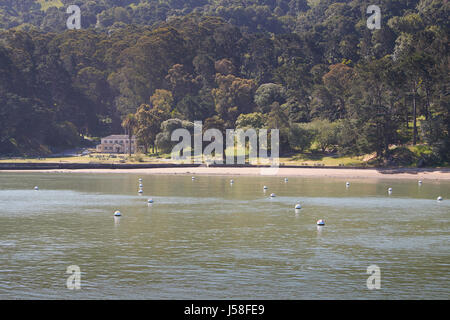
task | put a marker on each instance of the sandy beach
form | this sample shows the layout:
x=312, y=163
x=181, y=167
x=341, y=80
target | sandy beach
x=403, y=173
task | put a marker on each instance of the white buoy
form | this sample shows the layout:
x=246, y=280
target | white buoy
x=140, y=191
x=390, y=190
x=347, y=184
x=298, y=206
x=439, y=198
x=320, y=222
x=265, y=188
x=36, y=188
x=140, y=179
x=272, y=195
x=117, y=214
x=420, y=182
x=193, y=178
x=141, y=185
x=285, y=179
x=231, y=181
x=150, y=200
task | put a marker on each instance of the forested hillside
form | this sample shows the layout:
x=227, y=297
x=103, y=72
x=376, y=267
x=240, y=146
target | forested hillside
x=313, y=69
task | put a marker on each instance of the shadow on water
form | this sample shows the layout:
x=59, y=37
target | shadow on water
x=412, y=171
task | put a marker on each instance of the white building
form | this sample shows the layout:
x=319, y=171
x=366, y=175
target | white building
x=117, y=143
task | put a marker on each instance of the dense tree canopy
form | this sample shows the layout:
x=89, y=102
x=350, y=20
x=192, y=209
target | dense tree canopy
x=309, y=68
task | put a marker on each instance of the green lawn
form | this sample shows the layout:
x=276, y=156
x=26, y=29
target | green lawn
x=322, y=160
x=166, y=158
x=93, y=158
x=299, y=159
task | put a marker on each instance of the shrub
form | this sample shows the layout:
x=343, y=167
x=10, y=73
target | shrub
x=301, y=136
x=326, y=133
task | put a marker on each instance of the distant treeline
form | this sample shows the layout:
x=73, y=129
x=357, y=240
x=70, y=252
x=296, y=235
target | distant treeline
x=309, y=68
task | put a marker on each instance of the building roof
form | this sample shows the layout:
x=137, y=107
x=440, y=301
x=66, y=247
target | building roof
x=118, y=136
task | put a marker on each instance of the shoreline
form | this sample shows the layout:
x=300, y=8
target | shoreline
x=349, y=173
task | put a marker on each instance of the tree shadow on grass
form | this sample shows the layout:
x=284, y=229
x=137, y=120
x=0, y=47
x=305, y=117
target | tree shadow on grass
x=313, y=156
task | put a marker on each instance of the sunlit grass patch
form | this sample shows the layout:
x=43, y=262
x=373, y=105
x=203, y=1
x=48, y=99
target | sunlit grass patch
x=322, y=160
x=45, y=4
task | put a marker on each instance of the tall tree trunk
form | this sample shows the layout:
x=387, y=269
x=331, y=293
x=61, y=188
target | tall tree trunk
x=414, y=115
x=406, y=113
x=129, y=142
x=427, y=106
x=380, y=135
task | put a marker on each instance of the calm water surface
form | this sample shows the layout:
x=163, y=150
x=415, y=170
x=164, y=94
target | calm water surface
x=208, y=239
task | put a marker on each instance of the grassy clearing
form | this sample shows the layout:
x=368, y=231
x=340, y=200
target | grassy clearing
x=45, y=4
x=92, y=158
x=308, y=159
x=405, y=156
x=322, y=160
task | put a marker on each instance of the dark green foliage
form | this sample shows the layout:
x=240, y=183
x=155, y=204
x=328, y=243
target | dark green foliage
x=163, y=139
x=301, y=136
x=228, y=62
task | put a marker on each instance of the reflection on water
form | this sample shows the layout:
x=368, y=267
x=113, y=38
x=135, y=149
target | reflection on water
x=207, y=238
x=319, y=230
